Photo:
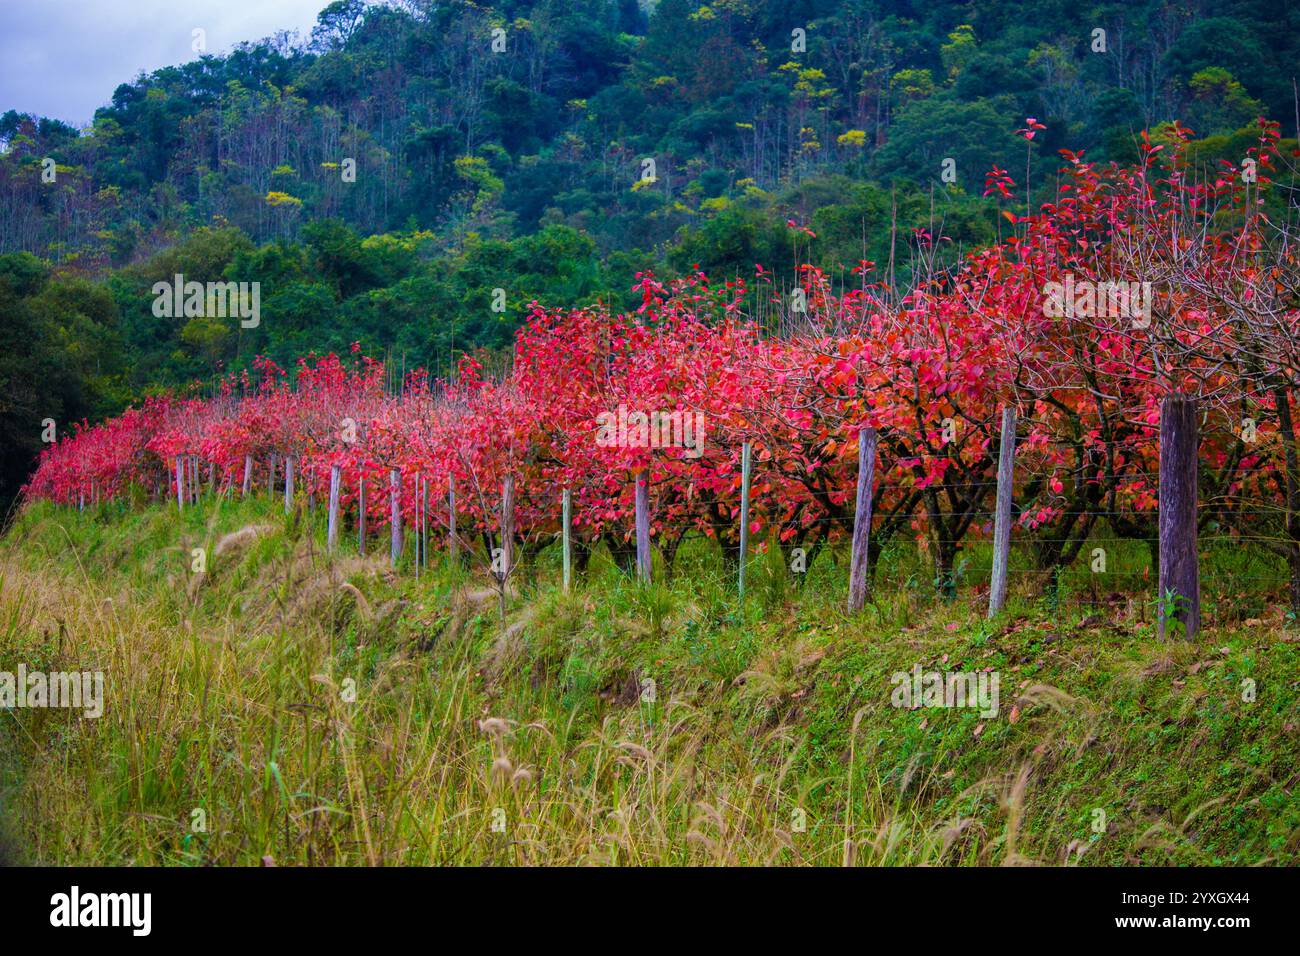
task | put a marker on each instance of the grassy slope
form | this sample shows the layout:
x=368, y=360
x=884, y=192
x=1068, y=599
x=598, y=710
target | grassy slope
x=226, y=694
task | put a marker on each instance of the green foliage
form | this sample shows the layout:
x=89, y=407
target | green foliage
x=582, y=705
x=447, y=136
x=382, y=180
x=62, y=360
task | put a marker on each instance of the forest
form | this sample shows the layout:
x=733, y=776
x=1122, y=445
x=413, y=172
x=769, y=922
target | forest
x=384, y=178
x=632, y=433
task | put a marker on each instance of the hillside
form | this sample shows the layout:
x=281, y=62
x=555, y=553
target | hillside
x=413, y=175
x=662, y=432
x=610, y=725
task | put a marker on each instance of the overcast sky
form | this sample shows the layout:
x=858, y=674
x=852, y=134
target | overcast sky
x=64, y=58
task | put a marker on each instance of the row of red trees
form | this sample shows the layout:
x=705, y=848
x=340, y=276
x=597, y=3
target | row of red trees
x=1208, y=306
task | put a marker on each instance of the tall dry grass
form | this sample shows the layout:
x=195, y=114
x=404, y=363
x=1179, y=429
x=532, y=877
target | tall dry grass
x=289, y=707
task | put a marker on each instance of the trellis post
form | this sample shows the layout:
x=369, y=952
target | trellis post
x=361, y=514
x=567, y=516
x=424, y=520
x=1002, y=512
x=332, y=535
x=1179, y=600
x=507, y=540
x=507, y=526
x=417, y=522
x=395, y=518
x=451, y=521
x=643, y=525
x=746, y=458
x=288, y=484
x=862, y=519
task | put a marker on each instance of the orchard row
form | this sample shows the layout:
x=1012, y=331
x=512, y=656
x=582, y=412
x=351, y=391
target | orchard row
x=1133, y=284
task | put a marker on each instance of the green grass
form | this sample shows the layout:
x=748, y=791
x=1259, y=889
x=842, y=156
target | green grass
x=622, y=724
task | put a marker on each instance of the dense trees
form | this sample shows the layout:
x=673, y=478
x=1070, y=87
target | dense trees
x=409, y=179
x=62, y=361
x=563, y=105
x=1133, y=282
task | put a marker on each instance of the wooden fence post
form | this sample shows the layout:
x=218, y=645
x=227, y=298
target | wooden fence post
x=567, y=516
x=451, y=520
x=417, y=522
x=248, y=473
x=507, y=526
x=180, y=484
x=288, y=484
x=332, y=535
x=395, y=518
x=746, y=460
x=867, y=438
x=1002, y=513
x=1179, y=599
x=361, y=514
x=507, y=539
x=643, y=526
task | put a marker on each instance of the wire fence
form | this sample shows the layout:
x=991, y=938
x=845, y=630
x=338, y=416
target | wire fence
x=1061, y=533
